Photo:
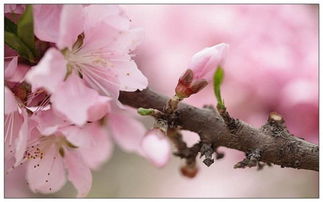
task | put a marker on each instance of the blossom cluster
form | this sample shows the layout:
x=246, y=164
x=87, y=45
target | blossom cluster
x=62, y=111
x=62, y=85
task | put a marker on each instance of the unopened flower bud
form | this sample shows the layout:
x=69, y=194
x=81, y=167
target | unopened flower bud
x=201, y=70
x=205, y=62
x=156, y=147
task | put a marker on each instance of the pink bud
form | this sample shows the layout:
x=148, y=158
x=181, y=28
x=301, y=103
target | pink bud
x=205, y=62
x=156, y=147
x=201, y=70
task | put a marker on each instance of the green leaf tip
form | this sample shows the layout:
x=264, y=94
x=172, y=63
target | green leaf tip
x=217, y=81
x=20, y=36
x=9, y=26
x=25, y=28
x=144, y=111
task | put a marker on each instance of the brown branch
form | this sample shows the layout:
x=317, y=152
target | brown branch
x=273, y=143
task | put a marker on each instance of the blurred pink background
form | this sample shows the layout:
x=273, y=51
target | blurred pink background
x=272, y=66
x=272, y=63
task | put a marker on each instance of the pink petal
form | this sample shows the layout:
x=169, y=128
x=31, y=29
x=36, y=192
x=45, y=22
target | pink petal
x=92, y=141
x=46, y=21
x=14, y=183
x=71, y=25
x=10, y=101
x=78, y=173
x=49, y=72
x=48, y=122
x=20, y=73
x=74, y=99
x=126, y=131
x=99, y=110
x=156, y=147
x=10, y=67
x=207, y=60
x=99, y=37
x=103, y=29
x=130, y=77
x=128, y=41
x=78, y=136
x=14, y=8
x=103, y=80
x=21, y=141
x=99, y=149
x=46, y=175
x=12, y=125
x=108, y=14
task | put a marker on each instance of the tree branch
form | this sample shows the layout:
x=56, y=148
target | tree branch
x=272, y=143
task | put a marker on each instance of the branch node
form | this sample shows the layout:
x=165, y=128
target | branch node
x=232, y=124
x=207, y=151
x=252, y=159
x=162, y=124
x=274, y=117
x=275, y=126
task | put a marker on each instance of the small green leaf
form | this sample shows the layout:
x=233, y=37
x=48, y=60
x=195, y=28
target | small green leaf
x=25, y=28
x=144, y=111
x=14, y=42
x=9, y=26
x=217, y=81
x=20, y=37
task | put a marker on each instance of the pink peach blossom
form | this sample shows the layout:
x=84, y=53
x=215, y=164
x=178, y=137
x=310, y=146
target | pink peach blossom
x=74, y=149
x=95, y=47
x=75, y=100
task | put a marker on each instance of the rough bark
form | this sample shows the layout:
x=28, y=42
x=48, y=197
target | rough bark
x=272, y=143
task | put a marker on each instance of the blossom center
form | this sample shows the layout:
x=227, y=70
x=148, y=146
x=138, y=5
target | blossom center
x=38, y=149
x=80, y=56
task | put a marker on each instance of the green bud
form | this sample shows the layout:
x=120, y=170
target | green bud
x=145, y=112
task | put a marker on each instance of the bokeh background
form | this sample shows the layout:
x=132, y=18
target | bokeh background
x=272, y=65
